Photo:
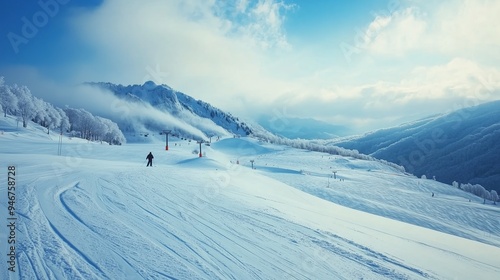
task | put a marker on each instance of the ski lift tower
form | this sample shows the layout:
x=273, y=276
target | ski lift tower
x=200, y=142
x=167, y=132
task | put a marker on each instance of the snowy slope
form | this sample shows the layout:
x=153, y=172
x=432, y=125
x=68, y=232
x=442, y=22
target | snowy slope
x=97, y=212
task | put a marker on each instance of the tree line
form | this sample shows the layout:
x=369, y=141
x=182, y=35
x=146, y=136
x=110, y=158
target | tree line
x=17, y=100
x=318, y=147
x=478, y=190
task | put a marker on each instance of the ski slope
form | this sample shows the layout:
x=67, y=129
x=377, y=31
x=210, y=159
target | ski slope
x=97, y=212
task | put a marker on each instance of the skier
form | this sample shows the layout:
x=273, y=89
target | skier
x=150, y=158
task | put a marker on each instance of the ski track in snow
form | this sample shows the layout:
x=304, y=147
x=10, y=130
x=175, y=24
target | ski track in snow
x=206, y=256
x=210, y=219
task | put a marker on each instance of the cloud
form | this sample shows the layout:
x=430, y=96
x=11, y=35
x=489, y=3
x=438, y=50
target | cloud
x=425, y=91
x=266, y=26
x=454, y=28
x=396, y=34
x=415, y=58
x=411, y=60
x=199, y=47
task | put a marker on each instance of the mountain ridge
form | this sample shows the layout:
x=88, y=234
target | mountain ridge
x=200, y=114
x=458, y=146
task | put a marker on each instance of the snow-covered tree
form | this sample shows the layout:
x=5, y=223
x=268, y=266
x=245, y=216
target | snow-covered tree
x=87, y=126
x=26, y=107
x=81, y=122
x=478, y=190
x=40, y=115
x=8, y=101
x=494, y=196
x=111, y=133
x=54, y=118
x=99, y=128
x=486, y=196
x=64, y=123
x=455, y=184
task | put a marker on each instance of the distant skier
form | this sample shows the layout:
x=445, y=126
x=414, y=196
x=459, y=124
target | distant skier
x=150, y=158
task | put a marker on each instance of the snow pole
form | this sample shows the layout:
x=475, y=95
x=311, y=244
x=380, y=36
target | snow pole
x=199, y=142
x=167, y=132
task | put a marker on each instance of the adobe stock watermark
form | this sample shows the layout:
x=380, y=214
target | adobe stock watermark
x=31, y=26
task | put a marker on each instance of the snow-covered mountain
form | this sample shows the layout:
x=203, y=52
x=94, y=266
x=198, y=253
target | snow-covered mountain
x=183, y=110
x=461, y=146
x=97, y=212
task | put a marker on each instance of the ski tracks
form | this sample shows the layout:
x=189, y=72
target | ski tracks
x=44, y=252
x=378, y=263
x=145, y=227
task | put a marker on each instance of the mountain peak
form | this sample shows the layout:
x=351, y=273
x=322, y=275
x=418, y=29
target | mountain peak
x=149, y=85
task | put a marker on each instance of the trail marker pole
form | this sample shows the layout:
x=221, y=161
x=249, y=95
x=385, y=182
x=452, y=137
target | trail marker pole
x=200, y=142
x=59, y=145
x=167, y=132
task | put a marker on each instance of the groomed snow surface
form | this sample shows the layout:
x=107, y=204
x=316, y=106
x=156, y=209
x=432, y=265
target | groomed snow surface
x=97, y=212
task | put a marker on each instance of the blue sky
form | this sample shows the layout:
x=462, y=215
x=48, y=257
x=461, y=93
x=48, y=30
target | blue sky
x=364, y=64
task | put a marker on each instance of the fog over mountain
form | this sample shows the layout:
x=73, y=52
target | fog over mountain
x=304, y=128
x=150, y=108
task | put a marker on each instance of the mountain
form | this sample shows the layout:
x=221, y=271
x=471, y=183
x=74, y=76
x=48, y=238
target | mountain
x=173, y=110
x=460, y=146
x=303, y=128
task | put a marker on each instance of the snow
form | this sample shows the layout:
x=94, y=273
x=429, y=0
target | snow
x=97, y=212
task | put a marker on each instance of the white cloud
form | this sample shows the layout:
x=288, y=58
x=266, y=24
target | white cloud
x=454, y=28
x=425, y=91
x=403, y=31
x=267, y=27
x=235, y=55
x=416, y=59
x=194, y=43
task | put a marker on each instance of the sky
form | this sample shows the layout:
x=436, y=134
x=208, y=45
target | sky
x=363, y=64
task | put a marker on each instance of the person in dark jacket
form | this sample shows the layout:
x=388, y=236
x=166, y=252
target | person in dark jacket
x=150, y=158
